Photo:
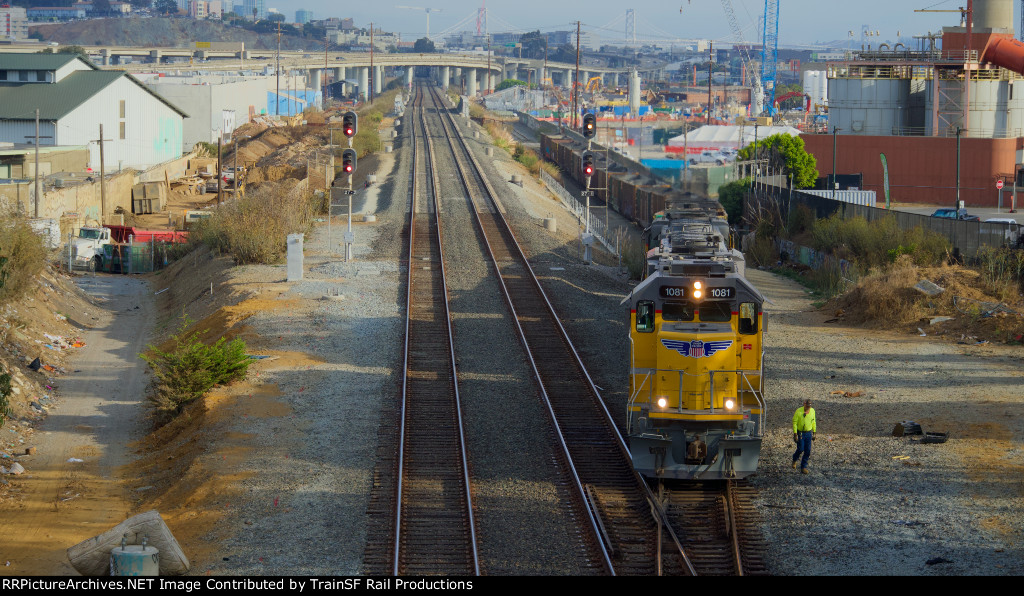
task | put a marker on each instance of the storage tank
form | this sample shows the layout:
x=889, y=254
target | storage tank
x=993, y=14
x=816, y=86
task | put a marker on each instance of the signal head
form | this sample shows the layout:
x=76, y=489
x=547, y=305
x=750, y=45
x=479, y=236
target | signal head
x=588, y=164
x=348, y=161
x=589, y=125
x=350, y=124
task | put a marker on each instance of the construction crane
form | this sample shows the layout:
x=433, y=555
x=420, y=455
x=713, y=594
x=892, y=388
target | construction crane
x=757, y=101
x=426, y=10
x=770, y=52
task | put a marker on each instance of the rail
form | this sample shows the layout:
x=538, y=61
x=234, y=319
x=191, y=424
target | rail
x=429, y=486
x=564, y=396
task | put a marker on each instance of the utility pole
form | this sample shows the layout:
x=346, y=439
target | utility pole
x=39, y=196
x=323, y=78
x=835, y=129
x=576, y=79
x=370, y=91
x=103, y=179
x=488, y=64
x=711, y=63
x=277, y=74
x=957, y=206
x=220, y=171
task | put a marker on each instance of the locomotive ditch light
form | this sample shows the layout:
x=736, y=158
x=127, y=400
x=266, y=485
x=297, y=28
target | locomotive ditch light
x=662, y=402
x=729, y=404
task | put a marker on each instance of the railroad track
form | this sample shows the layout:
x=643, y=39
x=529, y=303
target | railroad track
x=616, y=502
x=717, y=522
x=430, y=502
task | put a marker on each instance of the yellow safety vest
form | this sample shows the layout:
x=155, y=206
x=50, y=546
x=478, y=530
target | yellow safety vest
x=802, y=423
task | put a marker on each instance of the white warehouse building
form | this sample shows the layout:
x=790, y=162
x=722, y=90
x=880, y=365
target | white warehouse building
x=140, y=128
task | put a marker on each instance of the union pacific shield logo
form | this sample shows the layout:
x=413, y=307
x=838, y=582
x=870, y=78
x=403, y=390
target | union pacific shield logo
x=696, y=348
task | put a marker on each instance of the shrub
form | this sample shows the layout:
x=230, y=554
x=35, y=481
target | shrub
x=878, y=243
x=22, y=257
x=5, y=394
x=191, y=368
x=255, y=228
x=731, y=197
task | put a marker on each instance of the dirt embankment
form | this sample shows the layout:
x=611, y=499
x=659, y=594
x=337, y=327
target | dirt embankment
x=164, y=32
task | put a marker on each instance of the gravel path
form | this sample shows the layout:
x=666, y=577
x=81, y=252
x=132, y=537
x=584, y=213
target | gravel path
x=875, y=504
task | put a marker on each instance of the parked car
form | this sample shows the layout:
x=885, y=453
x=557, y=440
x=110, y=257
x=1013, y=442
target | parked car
x=960, y=214
x=1012, y=232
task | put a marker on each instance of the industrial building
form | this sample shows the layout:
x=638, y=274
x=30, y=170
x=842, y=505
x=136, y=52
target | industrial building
x=74, y=99
x=929, y=110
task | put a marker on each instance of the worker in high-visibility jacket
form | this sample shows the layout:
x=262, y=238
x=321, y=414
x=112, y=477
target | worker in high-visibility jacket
x=804, y=430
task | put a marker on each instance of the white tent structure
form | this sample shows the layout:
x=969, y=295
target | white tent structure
x=716, y=138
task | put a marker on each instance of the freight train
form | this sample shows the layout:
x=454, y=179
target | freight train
x=696, y=327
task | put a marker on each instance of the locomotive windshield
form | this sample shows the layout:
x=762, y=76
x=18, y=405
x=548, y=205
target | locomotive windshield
x=677, y=311
x=715, y=312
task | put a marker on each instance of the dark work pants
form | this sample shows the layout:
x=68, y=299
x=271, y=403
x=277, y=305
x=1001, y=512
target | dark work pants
x=803, y=445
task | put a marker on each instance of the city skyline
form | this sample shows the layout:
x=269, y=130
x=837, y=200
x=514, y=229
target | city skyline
x=801, y=22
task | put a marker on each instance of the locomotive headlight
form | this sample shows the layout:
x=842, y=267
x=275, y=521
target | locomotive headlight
x=662, y=402
x=697, y=285
x=697, y=294
x=729, y=404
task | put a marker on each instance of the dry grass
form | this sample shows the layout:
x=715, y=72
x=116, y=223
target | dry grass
x=22, y=257
x=254, y=229
x=886, y=299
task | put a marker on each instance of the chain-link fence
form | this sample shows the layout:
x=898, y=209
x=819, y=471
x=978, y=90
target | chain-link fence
x=597, y=226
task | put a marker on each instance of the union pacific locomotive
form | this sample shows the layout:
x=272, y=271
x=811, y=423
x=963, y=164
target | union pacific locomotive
x=696, y=406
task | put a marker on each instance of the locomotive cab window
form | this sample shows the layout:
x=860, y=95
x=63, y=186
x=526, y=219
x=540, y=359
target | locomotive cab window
x=748, y=318
x=715, y=312
x=645, y=316
x=677, y=311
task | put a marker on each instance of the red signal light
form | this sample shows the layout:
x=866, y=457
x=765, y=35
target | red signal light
x=348, y=132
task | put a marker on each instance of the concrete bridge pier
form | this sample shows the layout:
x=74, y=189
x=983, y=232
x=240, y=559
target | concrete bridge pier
x=378, y=76
x=471, y=82
x=364, y=83
x=339, y=77
x=105, y=56
x=316, y=83
x=408, y=76
x=446, y=75
x=541, y=75
x=155, y=56
x=567, y=79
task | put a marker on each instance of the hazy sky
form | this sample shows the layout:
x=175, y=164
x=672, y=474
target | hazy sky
x=800, y=22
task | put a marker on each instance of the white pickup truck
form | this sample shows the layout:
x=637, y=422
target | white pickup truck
x=87, y=247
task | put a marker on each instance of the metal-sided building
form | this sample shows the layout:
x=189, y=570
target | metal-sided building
x=74, y=98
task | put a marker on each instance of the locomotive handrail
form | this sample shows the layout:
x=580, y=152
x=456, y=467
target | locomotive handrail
x=755, y=392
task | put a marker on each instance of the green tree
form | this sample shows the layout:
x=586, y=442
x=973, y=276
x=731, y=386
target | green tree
x=787, y=154
x=101, y=6
x=423, y=45
x=510, y=83
x=534, y=45
x=5, y=393
x=565, y=53
x=731, y=197
x=166, y=7
x=276, y=17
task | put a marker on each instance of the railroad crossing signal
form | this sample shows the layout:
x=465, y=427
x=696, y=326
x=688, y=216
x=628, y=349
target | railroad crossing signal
x=588, y=164
x=589, y=126
x=348, y=161
x=350, y=124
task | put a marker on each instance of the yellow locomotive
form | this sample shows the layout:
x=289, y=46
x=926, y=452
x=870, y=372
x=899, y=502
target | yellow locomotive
x=696, y=401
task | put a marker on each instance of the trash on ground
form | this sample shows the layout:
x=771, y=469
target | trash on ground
x=35, y=365
x=936, y=561
x=848, y=393
x=934, y=438
x=901, y=457
x=907, y=427
x=75, y=460
x=921, y=331
x=928, y=288
x=936, y=320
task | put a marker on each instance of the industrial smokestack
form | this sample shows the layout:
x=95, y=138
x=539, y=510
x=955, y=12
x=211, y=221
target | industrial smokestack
x=993, y=14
